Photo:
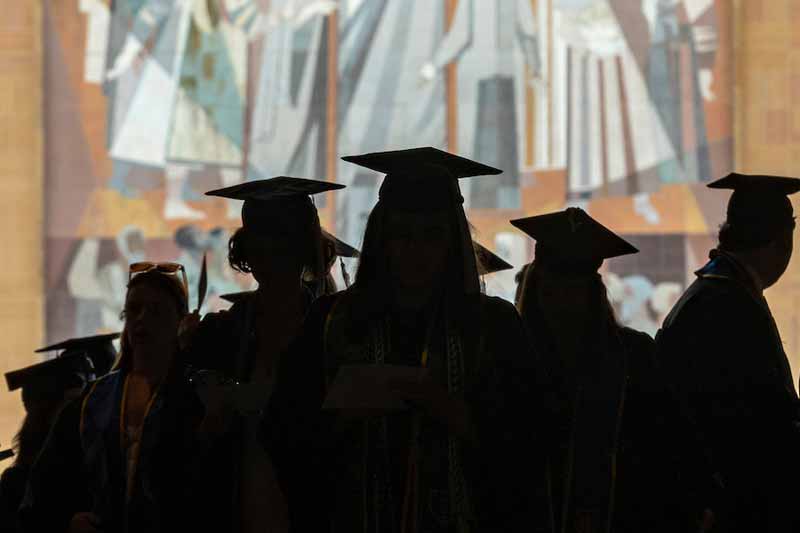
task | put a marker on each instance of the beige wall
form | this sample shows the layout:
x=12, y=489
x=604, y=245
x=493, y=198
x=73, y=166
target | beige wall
x=21, y=137
x=767, y=125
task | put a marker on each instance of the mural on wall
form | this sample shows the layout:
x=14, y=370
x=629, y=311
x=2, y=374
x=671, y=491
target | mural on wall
x=608, y=104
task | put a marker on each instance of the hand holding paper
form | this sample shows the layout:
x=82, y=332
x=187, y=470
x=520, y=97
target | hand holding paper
x=368, y=387
x=432, y=398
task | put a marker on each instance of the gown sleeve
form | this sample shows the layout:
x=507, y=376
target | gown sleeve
x=296, y=431
x=666, y=480
x=12, y=489
x=57, y=485
x=725, y=362
x=509, y=458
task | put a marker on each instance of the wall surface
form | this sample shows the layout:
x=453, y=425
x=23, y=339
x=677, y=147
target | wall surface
x=768, y=125
x=21, y=164
x=60, y=45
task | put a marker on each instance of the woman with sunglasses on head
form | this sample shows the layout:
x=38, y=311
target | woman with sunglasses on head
x=119, y=458
x=622, y=459
x=280, y=245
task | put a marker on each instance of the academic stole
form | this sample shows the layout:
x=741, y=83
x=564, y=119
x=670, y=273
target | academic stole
x=460, y=504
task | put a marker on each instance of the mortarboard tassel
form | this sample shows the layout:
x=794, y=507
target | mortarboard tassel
x=345, y=274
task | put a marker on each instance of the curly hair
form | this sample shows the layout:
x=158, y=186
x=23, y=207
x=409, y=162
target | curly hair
x=301, y=220
x=237, y=257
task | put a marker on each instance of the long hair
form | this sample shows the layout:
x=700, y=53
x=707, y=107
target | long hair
x=533, y=316
x=173, y=291
x=298, y=217
x=35, y=427
x=372, y=274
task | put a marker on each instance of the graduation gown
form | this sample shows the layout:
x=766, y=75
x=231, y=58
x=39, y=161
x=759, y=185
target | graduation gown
x=622, y=458
x=359, y=476
x=226, y=343
x=12, y=489
x=722, y=351
x=83, y=468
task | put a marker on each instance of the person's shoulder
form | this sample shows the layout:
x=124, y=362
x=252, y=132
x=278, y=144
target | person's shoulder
x=217, y=331
x=639, y=346
x=709, y=299
x=223, y=319
x=13, y=476
x=496, y=306
x=322, y=306
x=327, y=301
x=95, y=386
x=634, y=337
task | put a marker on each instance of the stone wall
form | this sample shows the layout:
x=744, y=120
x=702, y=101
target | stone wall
x=21, y=164
x=767, y=125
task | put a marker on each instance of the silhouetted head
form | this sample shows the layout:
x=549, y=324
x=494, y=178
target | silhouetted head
x=549, y=297
x=417, y=236
x=46, y=388
x=760, y=222
x=280, y=238
x=562, y=285
x=155, y=304
x=286, y=247
x=419, y=248
x=98, y=348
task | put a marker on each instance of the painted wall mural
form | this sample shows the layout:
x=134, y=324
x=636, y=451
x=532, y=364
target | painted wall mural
x=620, y=106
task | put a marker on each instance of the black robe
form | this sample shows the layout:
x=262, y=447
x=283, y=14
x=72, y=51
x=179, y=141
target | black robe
x=225, y=343
x=12, y=490
x=622, y=458
x=724, y=356
x=84, y=470
x=503, y=470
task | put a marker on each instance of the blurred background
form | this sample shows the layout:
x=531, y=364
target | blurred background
x=119, y=114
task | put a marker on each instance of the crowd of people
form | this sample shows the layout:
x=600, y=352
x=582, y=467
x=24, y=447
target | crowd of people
x=410, y=401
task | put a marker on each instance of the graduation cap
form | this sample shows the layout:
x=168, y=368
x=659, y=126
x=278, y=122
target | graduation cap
x=488, y=261
x=340, y=248
x=50, y=379
x=421, y=179
x=572, y=241
x=257, y=194
x=759, y=205
x=756, y=183
x=235, y=297
x=98, y=348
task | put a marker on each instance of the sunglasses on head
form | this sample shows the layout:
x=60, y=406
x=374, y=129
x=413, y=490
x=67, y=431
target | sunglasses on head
x=168, y=269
